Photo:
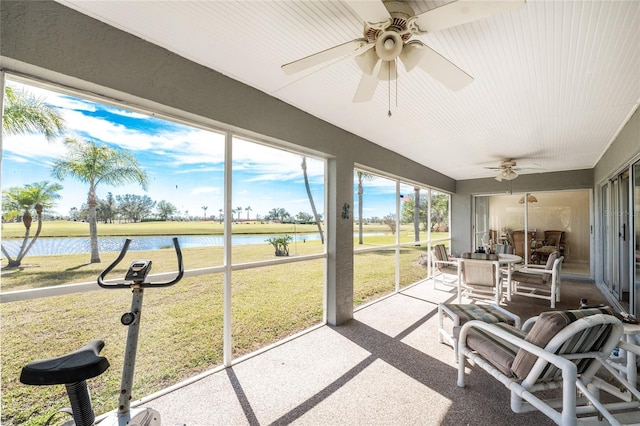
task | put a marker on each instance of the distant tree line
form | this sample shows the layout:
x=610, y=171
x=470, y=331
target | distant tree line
x=281, y=215
x=126, y=208
x=139, y=208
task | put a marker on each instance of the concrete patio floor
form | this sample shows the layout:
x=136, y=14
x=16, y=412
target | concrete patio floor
x=385, y=367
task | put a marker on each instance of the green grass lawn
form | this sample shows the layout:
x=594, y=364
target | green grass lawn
x=181, y=328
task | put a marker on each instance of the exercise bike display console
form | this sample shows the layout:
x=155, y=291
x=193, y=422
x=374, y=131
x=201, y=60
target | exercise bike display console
x=73, y=369
x=138, y=270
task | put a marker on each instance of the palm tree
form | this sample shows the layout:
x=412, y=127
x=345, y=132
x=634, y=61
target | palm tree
x=95, y=164
x=248, y=209
x=313, y=205
x=362, y=176
x=204, y=208
x=25, y=114
x=22, y=201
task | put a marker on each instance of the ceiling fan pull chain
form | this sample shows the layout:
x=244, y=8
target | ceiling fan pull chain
x=395, y=64
x=389, y=86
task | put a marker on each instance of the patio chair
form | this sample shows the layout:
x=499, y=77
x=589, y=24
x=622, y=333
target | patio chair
x=446, y=266
x=552, y=368
x=481, y=277
x=553, y=241
x=518, y=243
x=539, y=282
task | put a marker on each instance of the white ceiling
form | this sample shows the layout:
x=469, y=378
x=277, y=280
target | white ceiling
x=554, y=81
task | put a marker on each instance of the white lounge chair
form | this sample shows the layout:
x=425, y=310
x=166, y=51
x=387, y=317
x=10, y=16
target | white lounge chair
x=564, y=350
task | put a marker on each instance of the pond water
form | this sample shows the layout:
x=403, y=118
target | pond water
x=74, y=245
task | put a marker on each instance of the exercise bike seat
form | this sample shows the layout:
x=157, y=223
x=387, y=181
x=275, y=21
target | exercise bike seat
x=70, y=368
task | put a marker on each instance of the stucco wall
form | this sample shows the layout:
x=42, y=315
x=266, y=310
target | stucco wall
x=624, y=149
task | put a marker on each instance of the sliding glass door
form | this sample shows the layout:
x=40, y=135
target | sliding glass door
x=636, y=238
x=557, y=218
x=620, y=236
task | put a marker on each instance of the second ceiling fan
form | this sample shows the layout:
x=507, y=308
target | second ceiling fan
x=508, y=168
x=389, y=30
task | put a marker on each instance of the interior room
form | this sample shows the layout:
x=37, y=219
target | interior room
x=402, y=125
x=546, y=212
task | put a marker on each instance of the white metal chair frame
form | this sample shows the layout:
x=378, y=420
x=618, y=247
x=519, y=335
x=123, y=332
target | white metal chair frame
x=475, y=287
x=527, y=290
x=440, y=267
x=563, y=411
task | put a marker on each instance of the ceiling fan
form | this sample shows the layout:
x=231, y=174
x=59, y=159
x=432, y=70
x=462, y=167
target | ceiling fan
x=389, y=30
x=507, y=169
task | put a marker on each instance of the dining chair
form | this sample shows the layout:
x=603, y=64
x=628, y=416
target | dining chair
x=444, y=266
x=481, y=278
x=539, y=282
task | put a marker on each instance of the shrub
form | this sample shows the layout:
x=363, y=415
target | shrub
x=280, y=244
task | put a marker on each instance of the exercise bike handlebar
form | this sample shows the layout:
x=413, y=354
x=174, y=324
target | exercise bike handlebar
x=125, y=247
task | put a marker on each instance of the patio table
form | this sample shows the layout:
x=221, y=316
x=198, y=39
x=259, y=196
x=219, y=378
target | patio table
x=509, y=260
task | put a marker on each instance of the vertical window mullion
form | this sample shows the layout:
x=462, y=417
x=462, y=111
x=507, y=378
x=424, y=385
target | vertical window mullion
x=228, y=169
x=398, y=224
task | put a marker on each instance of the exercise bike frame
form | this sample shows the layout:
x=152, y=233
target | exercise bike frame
x=74, y=368
x=132, y=320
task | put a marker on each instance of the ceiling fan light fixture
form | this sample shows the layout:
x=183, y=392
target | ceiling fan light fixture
x=510, y=175
x=389, y=45
x=367, y=61
x=506, y=174
x=411, y=54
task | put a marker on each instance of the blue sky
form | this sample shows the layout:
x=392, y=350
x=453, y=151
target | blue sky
x=184, y=164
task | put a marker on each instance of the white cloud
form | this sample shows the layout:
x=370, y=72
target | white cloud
x=125, y=113
x=32, y=148
x=205, y=190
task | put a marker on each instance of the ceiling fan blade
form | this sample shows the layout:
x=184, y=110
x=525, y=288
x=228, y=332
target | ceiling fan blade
x=463, y=11
x=353, y=46
x=443, y=70
x=370, y=11
x=387, y=71
x=531, y=166
x=368, y=84
x=366, y=88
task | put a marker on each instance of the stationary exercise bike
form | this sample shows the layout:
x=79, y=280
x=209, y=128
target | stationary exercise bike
x=73, y=369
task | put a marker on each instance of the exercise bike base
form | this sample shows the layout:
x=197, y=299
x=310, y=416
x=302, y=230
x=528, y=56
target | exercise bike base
x=137, y=417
